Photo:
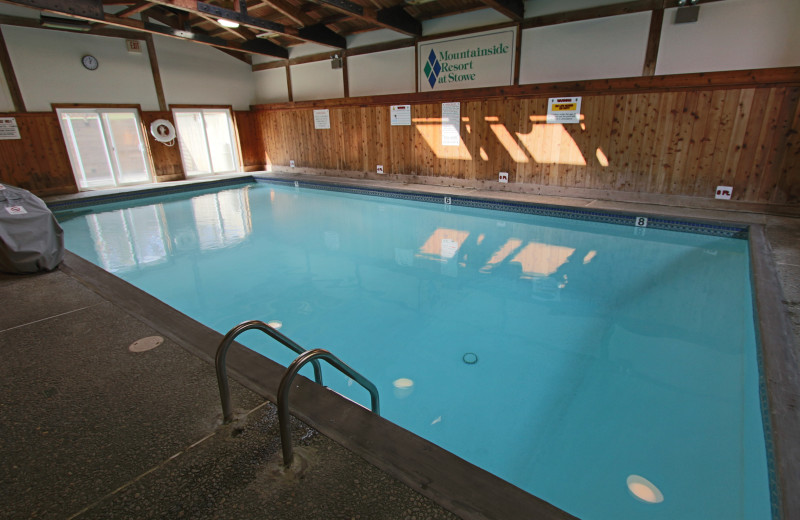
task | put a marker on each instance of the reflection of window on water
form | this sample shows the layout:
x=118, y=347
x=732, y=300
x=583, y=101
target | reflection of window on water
x=129, y=238
x=222, y=219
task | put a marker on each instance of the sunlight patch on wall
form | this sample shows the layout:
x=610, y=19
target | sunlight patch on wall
x=552, y=144
x=432, y=133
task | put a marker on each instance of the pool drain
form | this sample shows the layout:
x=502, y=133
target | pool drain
x=145, y=344
x=470, y=358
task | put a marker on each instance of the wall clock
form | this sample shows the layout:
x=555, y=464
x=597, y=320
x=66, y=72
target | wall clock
x=90, y=62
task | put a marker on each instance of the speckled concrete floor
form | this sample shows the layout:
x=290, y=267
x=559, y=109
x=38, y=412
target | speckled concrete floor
x=89, y=429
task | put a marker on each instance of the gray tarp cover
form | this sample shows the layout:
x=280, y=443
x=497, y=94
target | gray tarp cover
x=30, y=238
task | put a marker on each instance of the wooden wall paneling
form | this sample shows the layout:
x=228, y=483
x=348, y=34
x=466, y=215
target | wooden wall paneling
x=385, y=144
x=650, y=113
x=736, y=145
x=788, y=189
x=729, y=118
x=679, y=142
x=777, y=120
x=778, y=147
x=166, y=159
x=592, y=108
x=704, y=181
x=744, y=168
x=768, y=127
x=669, y=120
x=701, y=115
x=250, y=139
x=39, y=161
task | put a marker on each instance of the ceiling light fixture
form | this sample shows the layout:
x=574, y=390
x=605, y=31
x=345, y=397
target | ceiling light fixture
x=228, y=23
x=68, y=24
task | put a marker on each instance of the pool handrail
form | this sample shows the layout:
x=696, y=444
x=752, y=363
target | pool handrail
x=222, y=352
x=285, y=385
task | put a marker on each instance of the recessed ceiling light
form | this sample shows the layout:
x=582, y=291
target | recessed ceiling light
x=228, y=23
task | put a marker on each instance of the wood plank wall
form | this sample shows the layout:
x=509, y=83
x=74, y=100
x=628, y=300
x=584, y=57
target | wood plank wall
x=39, y=161
x=680, y=141
x=250, y=138
x=166, y=159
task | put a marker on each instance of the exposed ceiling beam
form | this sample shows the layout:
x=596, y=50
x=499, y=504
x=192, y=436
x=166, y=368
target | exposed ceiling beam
x=514, y=9
x=291, y=12
x=395, y=18
x=194, y=6
x=138, y=7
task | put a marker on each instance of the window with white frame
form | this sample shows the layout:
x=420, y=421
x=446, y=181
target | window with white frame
x=206, y=140
x=106, y=146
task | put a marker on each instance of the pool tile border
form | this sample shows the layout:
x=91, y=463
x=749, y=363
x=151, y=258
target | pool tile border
x=624, y=219
x=529, y=208
x=100, y=198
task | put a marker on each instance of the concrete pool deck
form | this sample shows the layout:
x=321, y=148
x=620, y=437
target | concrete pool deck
x=92, y=430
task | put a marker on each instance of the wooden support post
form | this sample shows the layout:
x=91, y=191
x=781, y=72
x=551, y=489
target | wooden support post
x=653, y=41
x=151, y=52
x=11, y=78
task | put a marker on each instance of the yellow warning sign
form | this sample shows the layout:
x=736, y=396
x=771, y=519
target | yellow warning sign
x=560, y=107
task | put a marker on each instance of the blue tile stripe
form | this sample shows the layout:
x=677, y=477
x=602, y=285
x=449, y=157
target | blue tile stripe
x=686, y=226
x=141, y=194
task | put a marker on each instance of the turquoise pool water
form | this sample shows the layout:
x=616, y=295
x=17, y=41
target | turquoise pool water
x=608, y=370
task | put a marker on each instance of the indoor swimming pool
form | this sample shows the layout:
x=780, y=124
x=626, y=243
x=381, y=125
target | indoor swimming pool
x=604, y=363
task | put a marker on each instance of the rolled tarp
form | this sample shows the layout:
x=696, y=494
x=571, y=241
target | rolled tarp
x=30, y=238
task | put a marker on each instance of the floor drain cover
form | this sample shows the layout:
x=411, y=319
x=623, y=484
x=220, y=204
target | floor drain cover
x=145, y=344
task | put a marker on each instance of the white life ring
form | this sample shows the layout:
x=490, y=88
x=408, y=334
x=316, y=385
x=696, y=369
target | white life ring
x=162, y=130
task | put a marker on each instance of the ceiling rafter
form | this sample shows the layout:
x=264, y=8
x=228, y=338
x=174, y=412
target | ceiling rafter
x=137, y=7
x=395, y=18
x=321, y=35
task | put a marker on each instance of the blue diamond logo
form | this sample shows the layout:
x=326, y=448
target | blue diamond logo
x=432, y=68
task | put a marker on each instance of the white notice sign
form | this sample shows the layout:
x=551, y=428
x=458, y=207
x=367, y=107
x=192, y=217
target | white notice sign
x=322, y=119
x=401, y=115
x=9, y=128
x=564, y=110
x=451, y=124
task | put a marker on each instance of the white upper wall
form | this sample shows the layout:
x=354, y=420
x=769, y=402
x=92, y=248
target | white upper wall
x=389, y=72
x=316, y=80
x=271, y=86
x=469, y=20
x=373, y=37
x=544, y=7
x=581, y=50
x=203, y=75
x=732, y=35
x=48, y=69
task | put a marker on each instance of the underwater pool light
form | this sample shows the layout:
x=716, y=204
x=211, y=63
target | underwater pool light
x=644, y=490
x=275, y=324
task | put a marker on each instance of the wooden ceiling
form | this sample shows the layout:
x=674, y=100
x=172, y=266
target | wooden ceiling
x=266, y=27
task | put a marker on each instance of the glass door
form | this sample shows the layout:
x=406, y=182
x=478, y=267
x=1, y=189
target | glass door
x=206, y=140
x=106, y=147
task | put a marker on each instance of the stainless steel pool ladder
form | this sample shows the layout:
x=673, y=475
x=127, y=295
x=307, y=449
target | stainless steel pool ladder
x=286, y=382
x=305, y=356
x=222, y=352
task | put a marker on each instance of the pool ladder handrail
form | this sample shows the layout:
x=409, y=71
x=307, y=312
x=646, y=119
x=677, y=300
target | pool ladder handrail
x=285, y=385
x=222, y=351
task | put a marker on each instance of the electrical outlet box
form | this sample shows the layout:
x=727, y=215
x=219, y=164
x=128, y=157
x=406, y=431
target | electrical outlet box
x=724, y=192
x=503, y=177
